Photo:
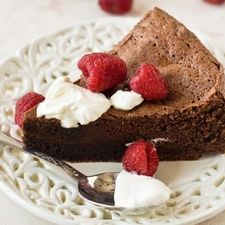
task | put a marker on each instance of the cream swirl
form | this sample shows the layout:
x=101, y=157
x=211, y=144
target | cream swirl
x=72, y=104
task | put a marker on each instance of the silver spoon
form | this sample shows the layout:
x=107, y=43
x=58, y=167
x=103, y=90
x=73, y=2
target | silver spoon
x=97, y=189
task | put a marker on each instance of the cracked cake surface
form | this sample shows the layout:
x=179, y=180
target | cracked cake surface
x=189, y=121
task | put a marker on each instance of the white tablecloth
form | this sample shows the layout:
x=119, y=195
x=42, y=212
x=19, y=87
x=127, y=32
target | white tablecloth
x=24, y=20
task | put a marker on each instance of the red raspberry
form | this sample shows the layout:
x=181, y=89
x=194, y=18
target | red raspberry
x=141, y=158
x=102, y=71
x=116, y=6
x=149, y=83
x=25, y=103
x=215, y=1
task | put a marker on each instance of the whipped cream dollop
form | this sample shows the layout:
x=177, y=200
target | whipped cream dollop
x=72, y=104
x=126, y=100
x=134, y=191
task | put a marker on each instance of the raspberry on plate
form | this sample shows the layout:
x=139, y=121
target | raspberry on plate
x=102, y=71
x=25, y=103
x=141, y=158
x=149, y=83
x=116, y=6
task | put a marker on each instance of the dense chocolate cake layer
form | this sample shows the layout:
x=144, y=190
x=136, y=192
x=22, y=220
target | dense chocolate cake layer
x=189, y=121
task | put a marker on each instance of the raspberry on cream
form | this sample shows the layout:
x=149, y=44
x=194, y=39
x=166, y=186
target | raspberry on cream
x=135, y=186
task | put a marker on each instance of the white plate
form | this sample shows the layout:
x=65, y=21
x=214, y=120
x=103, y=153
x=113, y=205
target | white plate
x=198, y=187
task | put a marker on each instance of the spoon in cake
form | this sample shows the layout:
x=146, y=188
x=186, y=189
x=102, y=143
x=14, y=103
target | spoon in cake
x=97, y=189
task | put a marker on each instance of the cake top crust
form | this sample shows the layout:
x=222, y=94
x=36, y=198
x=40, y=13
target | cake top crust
x=192, y=73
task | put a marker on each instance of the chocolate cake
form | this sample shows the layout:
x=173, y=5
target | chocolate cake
x=188, y=122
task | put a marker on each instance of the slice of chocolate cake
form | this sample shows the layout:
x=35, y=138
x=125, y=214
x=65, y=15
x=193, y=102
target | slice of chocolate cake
x=189, y=121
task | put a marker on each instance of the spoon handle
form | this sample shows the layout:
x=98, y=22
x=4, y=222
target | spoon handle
x=12, y=142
